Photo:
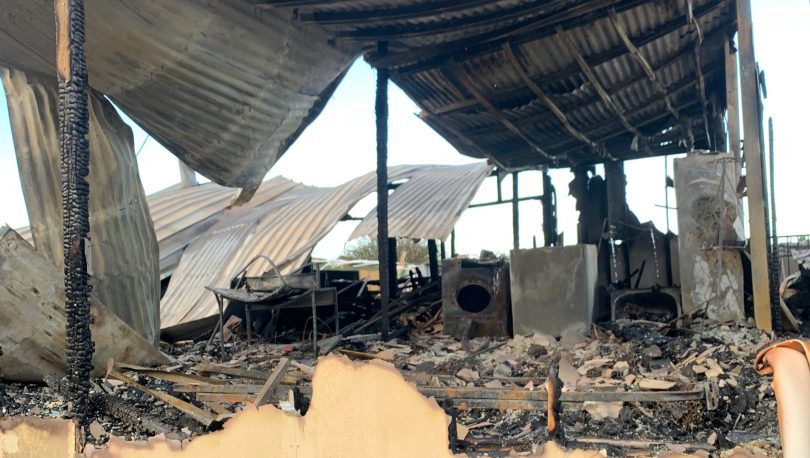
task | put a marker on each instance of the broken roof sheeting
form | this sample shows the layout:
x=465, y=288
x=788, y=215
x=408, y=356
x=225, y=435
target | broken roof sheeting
x=285, y=229
x=476, y=69
x=32, y=314
x=429, y=204
x=223, y=86
x=181, y=215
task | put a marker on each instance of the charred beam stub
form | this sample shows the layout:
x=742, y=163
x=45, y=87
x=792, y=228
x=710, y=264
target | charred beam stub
x=111, y=406
x=75, y=161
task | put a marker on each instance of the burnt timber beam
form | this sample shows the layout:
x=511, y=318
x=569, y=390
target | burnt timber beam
x=74, y=148
x=410, y=11
x=467, y=83
x=522, y=13
x=433, y=260
x=614, y=127
x=381, y=118
x=753, y=166
x=549, y=201
x=552, y=107
x=642, y=61
x=393, y=289
x=285, y=3
x=591, y=77
x=597, y=59
x=587, y=103
x=488, y=42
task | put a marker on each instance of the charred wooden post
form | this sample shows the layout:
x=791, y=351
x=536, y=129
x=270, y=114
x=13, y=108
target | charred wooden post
x=617, y=216
x=393, y=289
x=549, y=201
x=433, y=259
x=75, y=160
x=774, y=235
x=515, y=213
x=381, y=110
x=753, y=165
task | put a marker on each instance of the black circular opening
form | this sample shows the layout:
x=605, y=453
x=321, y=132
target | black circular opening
x=473, y=298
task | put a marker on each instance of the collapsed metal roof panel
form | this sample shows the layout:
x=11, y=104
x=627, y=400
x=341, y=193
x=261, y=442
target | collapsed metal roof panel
x=285, y=229
x=222, y=85
x=181, y=215
x=428, y=205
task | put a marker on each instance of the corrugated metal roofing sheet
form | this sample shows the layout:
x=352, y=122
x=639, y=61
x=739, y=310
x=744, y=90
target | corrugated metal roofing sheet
x=285, y=229
x=431, y=56
x=222, y=85
x=429, y=204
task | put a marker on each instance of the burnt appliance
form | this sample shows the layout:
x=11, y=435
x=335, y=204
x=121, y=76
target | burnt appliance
x=475, y=298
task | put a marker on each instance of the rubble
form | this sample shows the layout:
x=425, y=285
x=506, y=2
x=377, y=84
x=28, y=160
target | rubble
x=611, y=395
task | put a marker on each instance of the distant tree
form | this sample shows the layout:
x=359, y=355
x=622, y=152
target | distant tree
x=408, y=250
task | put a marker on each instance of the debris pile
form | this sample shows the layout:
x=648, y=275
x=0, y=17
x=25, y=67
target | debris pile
x=627, y=386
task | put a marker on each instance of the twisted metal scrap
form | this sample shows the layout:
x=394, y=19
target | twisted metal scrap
x=74, y=150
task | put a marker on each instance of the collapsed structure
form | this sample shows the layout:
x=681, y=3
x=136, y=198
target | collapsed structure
x=527, y=85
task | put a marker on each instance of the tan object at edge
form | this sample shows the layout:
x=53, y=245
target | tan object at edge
x=789, y=363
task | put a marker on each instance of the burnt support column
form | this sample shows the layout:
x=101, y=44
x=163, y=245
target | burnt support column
x=433, y=259
x=617, y=216
x=393, y=290
x=752, y=152
x=75, y=158
x=381, y=110
x=549, y=211
x=453, y=243
x=515, y=213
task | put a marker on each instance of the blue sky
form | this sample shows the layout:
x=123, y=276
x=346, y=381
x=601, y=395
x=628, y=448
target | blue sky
x=342, y=144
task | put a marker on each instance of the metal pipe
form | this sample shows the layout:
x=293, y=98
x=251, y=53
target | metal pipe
x=381, y=110
x=501, y=202
x=75, y=156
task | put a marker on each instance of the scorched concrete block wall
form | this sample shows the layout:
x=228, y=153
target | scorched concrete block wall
x=552, y=288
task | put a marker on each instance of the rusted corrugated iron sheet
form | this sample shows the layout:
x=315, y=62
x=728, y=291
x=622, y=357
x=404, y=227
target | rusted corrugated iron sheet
x=32, y=313
x=122, y=250
x=285, y=229
x=224, y=86
x=430, y=203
